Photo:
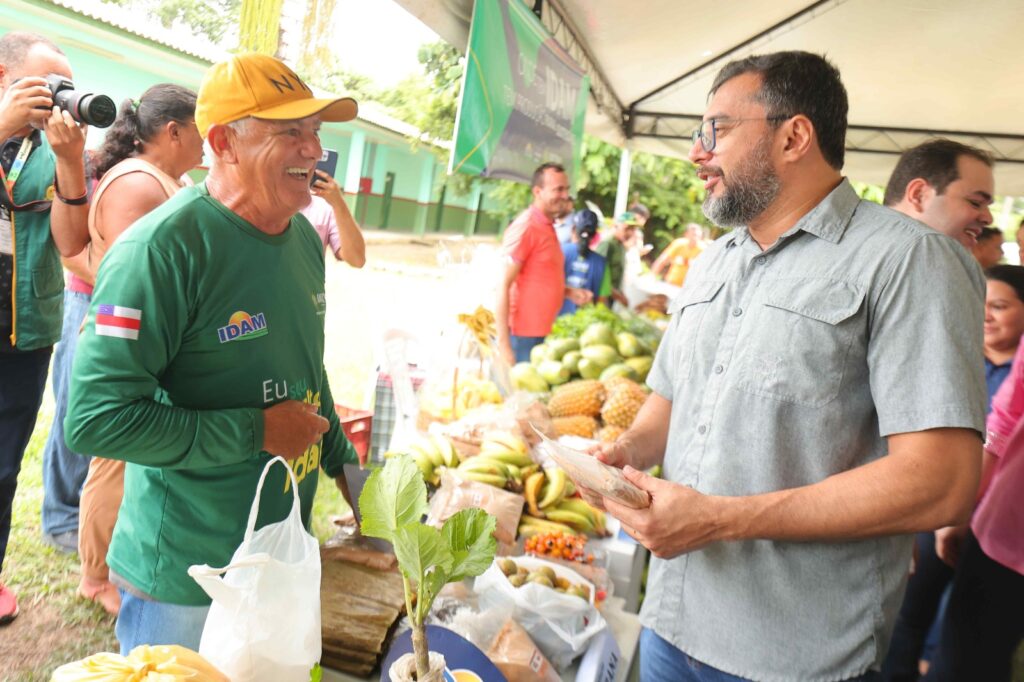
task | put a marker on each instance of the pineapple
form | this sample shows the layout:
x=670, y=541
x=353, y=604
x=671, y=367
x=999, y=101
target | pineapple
x=577, y=398
x=579, y=425
x=623, y=404
x=610, y=433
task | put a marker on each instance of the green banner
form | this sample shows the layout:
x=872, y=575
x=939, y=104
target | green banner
x=523, y=97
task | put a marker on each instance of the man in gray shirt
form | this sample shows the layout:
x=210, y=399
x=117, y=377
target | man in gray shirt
x=812, y=405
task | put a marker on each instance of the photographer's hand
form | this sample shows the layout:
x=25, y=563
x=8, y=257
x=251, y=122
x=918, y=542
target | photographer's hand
x=68, y=221
x=24, y=102
x=67, y=139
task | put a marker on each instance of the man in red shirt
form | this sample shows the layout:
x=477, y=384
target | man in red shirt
x=533, y=286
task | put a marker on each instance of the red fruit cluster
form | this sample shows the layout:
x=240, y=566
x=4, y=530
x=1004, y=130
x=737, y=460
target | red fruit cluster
x=559, y=546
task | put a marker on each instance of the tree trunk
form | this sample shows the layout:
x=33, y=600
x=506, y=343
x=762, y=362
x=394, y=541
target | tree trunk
x=419, y=647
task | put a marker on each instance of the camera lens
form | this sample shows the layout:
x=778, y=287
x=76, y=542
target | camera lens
x=96, y=110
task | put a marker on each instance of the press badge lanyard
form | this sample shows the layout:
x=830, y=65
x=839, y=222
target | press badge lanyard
x=10, y=178
x=19, y=163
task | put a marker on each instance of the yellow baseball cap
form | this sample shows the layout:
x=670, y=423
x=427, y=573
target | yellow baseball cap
x=260, y=86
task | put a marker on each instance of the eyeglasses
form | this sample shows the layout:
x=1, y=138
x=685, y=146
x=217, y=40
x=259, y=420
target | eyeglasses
x=707, y=132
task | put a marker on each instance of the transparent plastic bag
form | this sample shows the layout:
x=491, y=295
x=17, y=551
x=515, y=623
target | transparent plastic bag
x=561, y=625
x=589, y=472
x=264, y=623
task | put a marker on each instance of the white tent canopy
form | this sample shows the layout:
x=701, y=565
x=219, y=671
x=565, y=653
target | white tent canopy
x=914, y=69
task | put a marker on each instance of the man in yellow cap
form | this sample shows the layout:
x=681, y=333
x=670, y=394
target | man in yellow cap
x=202, y=354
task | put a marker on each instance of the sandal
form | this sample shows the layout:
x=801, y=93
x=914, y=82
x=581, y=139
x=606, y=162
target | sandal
x=103, y=592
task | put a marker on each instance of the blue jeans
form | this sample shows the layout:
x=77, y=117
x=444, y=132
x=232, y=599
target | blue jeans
x=522, y=345
x=660, y=660
x=64, y=471
x=22, y=382
x=141, y=621
x=918, y=612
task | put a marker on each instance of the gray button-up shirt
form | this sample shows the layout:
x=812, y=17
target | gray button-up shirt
x=784, y=367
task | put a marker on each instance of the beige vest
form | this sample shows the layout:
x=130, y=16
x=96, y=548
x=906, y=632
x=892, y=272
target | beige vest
x=98, y=243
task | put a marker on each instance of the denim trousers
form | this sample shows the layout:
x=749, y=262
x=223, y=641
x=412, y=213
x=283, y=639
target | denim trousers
x=22, y=382
x=142, y=621
x=64, y=471
x=661, y=661
x=522, y=345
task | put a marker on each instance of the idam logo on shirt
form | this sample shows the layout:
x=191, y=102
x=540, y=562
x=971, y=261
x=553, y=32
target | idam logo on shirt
x=242, y=327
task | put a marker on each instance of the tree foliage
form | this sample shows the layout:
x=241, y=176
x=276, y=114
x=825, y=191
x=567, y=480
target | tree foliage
x=212, y=19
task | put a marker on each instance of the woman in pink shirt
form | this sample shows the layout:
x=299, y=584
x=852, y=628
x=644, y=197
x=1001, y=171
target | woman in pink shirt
x=985, y=619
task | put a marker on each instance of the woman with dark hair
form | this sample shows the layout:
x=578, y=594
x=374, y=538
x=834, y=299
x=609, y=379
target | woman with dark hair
x=152, y=144
x=1004, y=325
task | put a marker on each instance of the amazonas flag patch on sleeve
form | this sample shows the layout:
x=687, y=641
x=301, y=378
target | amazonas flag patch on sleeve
x=113, y=320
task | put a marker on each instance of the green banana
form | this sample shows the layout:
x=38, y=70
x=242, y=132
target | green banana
x=485, y=466
x=555, y=490
x=425, y=446
x=504, y=454
x=448, y=454
x=529, y=525
x=580, y=506
x=426, y=466
x=570, y=488
x=489, y=479
x=509, y=441
x=515, y=473
x=576, y=520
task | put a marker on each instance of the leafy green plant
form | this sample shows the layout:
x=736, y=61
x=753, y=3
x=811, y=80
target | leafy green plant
x=392, y=506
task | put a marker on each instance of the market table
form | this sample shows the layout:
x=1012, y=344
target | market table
x=625, y=627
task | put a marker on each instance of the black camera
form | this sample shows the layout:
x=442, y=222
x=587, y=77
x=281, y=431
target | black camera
x=84, y=107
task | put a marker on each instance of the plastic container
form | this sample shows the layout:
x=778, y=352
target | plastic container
x=357, y=427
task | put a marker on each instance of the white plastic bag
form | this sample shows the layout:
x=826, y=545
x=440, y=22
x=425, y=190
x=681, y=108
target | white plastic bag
x=559, y=624
x=264, y=624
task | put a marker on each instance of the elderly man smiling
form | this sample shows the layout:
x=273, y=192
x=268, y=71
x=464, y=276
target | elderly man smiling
x=202, y=355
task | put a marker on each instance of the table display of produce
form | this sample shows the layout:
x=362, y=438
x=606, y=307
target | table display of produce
x=473, y=529
x=548, y=584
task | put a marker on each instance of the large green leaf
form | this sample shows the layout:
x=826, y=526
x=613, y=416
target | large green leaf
x=420, y=548
x=394, y=496
x=469, y=535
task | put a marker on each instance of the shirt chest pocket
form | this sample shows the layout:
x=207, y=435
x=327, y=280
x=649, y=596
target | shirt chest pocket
x=690, y=306
x=797, y=346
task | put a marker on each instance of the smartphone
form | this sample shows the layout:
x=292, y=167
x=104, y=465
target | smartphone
x=328, y=163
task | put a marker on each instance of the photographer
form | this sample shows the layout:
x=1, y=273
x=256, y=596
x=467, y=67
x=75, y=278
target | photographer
x=38, y=168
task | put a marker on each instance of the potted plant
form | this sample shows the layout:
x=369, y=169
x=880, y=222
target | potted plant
x=392, y=506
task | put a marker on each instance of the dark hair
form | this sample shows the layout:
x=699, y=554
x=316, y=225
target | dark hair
x=990, y=233
x=138, y=122
x=584, y=219
x=538, y=175
x=1011, y=275
x=934, y=161
x=640, y=210
x=799, y=83
x=14, y=46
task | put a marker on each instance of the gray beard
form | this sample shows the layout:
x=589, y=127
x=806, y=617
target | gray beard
x=753, y=190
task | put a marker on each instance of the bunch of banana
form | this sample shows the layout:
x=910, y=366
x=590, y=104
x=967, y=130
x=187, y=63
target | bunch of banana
x=531, y=525
x=501, y=455
x=474, y=392
x=544, y=489
x=431, y=453
x=576, y=513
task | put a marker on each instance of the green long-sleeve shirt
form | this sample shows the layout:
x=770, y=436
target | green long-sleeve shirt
x=198, y=322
